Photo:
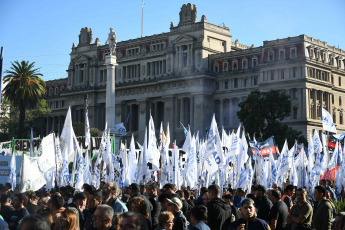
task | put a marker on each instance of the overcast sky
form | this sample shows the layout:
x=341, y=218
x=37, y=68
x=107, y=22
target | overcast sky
x=43, y=31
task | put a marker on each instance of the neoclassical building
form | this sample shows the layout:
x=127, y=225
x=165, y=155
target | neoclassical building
x=194, y=70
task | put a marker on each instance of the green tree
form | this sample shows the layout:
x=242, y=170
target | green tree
x=262, y=114
x=24, y=88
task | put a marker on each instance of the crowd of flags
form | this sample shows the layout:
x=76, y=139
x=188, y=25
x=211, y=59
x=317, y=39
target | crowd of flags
x=221, y=157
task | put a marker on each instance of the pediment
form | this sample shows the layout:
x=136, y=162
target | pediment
x=183, y=39
x=81, y=59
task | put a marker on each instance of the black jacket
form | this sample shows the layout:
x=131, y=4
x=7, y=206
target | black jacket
x=156, y=210
x=253, y=224
x=16, y=217
x=264, y=208
x=219, y=214
x=147, y=202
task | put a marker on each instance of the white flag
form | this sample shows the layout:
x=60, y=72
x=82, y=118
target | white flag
x=31, y=176
x=87, y=131
x=79, y=179
x=132, y=163
x=12, y=175
x=87, y=168
x=152, y=151
x=191, y=169
x=68, y=138
x=327, y=122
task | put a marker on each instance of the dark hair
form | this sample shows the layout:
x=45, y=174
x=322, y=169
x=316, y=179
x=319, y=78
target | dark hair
x=56, y=201
x=203, y=190
x=4, y=198
x=180, y=193
x=168, y=186
x=187, y=194
x=228, y=195
x=140, y=221
x=261, y=188
x=275, y=194
x=199, y=212
x=214, y=189
x=22, y=197
x=153, y=186
x=36, y=221
x=289, y=188
x=89, y=188
x=8, y=185
x=97, y=194
x=30, y=194
x=303, y=190
x=321, y=189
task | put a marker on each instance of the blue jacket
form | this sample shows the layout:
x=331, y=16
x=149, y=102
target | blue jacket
x=200, y=226
x=118, y=206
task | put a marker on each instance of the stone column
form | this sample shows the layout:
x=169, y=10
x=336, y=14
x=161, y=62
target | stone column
x=142, y=119
x=221, y=112
x=110, y=62
x=169, y=115
x=305, y=104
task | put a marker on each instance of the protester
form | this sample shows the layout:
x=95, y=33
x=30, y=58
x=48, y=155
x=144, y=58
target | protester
x=137, y=204
x=326, y=184
x=199, y=200
x=188, y=196
x=323, y=214
x=174, y=205
x=264, y=205
x=165, y=221
x=249, y=221
x=32, y=202
x=93, y=201
x=279, y=211
x=185, y=206
x=110, y=191
x=117, y=218
x=338, y=220
x=228, y=198
x=152, y=190
x=239, y=196
x=103, y=216
x=133, y=220
x=55, y=205
x=134, y=191
x=219, y=212
x=301, y=214
x=6, y=207
x=34, y=222
x=198, y=217
x=48, y=216
x=287, y=197
x=79, y=201
x=205, y=198
x=68, y=220
x=19, y=202
x=42, y=205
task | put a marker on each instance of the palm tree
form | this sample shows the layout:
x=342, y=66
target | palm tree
x=24, y=88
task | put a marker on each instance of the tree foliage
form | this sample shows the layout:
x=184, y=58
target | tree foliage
x=79, y=130
x=24, y=88
x=262, y=114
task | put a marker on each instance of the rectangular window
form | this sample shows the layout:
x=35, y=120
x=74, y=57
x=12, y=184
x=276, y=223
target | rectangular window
x=339, y=79
x=294, y=93
x=244, y=64
x=281, y=74
x=334, y=117
x=225, y=67
x=292, y=52
x=294, y=71
x=281, y=54
x=254, y=62
x=332, y=99
x=340, y=102
x=235, y=82
x=245, y=80
x=234, y=65
x=272, y=75
x=341, y=118
x=255, y=80
x=226, y=84
x=295, y=110
x=56, y=104
x=217, y=85
x=271, y=56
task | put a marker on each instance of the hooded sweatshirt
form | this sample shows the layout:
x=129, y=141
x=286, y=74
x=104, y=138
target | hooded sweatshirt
x=219, y=214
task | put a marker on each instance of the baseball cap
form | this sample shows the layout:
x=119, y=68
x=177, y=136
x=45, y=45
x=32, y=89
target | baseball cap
x=176, y=201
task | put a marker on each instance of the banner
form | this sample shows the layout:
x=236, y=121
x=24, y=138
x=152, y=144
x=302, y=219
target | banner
x=6, y=148
x=5, y=162
x=21, y=146
x=264, y=147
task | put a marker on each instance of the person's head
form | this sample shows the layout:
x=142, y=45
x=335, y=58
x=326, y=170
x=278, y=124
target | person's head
x=273, y=195
x=94, y=199
x=133, y=220
x=43, y=203
x=5, y=199
x=198, y=213
x=275, y=186
x=338, y=220
x=80, y=200
x=152, y=189
x=142, y=189
x=239, y=192
x=301, y=195
x=324, y=183
x=117, y=221
x=137, y=204
x=103, y=216
x=320, y=193
x=205, y=198
x=3, y=189
x=20, y=200
x=68, y=220
x=8, y=185
x=88, y=189
x=180, y=193
x=228, y=198
x=248, y=209
x=290, y=190
x=174, y=204
x=110, y=189
x=166, y=220
x=133, y=189
x=260, y=191
x=169, y=189
x=202, y=191
x=187, y=194
x=213, y=191
x=34, y=222
x=55, y=202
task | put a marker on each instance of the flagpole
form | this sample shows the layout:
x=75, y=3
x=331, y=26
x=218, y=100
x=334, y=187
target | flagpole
x=142, y=18
x=55, y=161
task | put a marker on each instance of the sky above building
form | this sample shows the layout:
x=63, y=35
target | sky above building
x=44, y=31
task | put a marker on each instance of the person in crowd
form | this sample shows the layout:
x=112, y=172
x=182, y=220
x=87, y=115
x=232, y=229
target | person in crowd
x=134, y=191
x=3, y=224
x=137, y=204
x=94, y=199
x=323, y=214
x=205, y=198
x=67, y=197
x=275, y=186
x=264, y=204
x=279, y=211
x=339, y=218
x=48, y=216
x=19, y=203
x=165, y=221
x=73, y=209
x=32, y=202
x=170, y=191
x=301, y=214
x=199, y=200
x=188, y=196
x=103, y=216
x=185, y=205
x=198, y=217
x=55, y=205
x=88, y=189
x=228, y=198
x=6, y=207
x=249, y=220
x=133, y=220
x=219, y=212
x=143, y=190
x=42, y=205
x=80, y=203
x=174, y=205
x=68, y=220
x=326, y=184
x=239, y=196
x=117, y=221
x=109, y=192
x=287, y=197
x=34, y=222
x=152, y=190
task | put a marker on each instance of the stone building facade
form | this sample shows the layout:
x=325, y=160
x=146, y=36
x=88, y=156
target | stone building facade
x=185, y=75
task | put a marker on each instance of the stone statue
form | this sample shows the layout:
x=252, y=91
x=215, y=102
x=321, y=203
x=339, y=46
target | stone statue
x=111, y=42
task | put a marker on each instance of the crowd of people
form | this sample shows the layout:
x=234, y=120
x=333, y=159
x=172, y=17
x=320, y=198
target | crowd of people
x=147, y=207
